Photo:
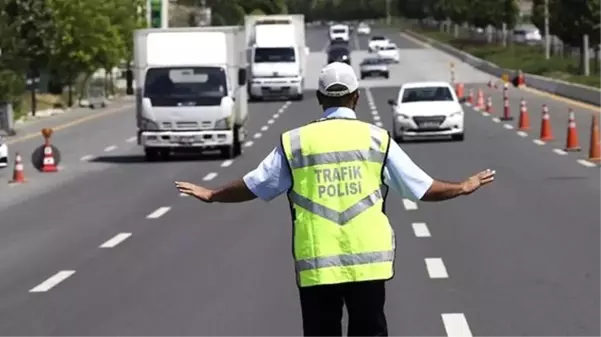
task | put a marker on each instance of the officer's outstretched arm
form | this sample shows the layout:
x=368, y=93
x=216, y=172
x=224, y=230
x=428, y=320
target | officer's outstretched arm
x=236, y=191
x=443, y=190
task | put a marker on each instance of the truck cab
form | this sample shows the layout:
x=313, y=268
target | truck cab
x=189, y=98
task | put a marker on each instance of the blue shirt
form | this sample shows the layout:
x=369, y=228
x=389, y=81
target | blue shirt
x=272, y=177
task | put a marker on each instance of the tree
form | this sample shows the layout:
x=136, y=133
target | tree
x=413, y=9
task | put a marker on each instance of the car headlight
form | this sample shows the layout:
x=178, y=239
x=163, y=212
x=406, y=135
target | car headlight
x=456, y=114
x=402, y=117
x=148, y=125
x=223, y=124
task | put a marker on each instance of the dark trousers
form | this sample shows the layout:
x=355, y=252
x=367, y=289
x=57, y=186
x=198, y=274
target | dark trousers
x=322, y=306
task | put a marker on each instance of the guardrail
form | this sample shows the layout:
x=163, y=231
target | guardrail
x=561, y=88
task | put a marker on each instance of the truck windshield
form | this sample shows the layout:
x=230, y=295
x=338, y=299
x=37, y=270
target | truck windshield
x=185, y=82
x=274, y=55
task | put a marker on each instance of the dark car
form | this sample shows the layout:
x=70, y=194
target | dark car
x=339, y=54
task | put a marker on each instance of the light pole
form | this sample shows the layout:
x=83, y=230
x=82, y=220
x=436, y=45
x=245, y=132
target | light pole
x=547, y=37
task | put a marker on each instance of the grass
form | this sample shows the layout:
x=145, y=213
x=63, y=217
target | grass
x=530, y=59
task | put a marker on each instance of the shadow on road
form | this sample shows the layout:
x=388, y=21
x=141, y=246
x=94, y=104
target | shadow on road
x=141, y=159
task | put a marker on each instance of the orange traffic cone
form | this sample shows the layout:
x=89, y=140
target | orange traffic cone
x=18, y=173
x=594, y=153
x=506, y=110
x=459, y=90
x=49, y=165
x=470, y=96
x=572, y=143
x=489, y=105
x=546, y=133
x=524, y=123
x=521, y=79
x=480, y=99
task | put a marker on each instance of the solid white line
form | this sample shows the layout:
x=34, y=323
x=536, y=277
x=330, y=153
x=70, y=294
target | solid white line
x=210, y=176
x=115, y=240
x=421, y=229
x=496, y=120
x=249, y=143
x=507, y=126
x=271, y=121
x=159, y=212
x=52, y=281
x=409, y=205
x=379, y=124
x=264, y=128
x=522, y=133
x=560, y=152
x=110, y=148
x=227, y=163
x=586, y=163
x=436, y=268
x=131, y=139
x=456, y=325
x=87, y=157
x=376, y=118
x=257, y=135
x=538, y=142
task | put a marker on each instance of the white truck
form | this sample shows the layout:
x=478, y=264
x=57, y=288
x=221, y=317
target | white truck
x=191, y=93
x=277, y=56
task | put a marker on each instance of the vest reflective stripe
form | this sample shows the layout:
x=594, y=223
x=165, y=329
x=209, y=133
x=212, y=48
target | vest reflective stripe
x=345, y=260
x=374, y=154
x=340, y=218
x=341, y=233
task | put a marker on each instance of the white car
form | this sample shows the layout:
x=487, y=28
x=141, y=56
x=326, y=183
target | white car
x=3, y=153
x=389, y=52
x=377, y=42
x=427, y=109
x=339, y=32
x=363, y=29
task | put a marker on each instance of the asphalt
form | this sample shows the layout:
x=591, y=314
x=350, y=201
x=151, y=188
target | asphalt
x=520, y=257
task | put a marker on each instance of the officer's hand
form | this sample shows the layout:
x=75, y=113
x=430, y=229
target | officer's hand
x=196, y=191
x=476, y=181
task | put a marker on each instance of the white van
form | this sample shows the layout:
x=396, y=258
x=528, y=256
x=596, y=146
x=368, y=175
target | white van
x=339, y=32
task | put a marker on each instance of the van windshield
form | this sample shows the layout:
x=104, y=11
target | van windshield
x=274, y=55
x=339, y=31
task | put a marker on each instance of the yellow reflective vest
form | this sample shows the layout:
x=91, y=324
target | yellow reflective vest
x=341, y=233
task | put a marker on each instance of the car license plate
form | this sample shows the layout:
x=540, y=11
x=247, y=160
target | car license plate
x=186, y=139
x=429, y=125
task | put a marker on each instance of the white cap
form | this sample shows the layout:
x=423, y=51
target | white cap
x=337, y=74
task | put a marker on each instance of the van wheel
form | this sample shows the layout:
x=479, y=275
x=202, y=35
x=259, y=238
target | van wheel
x=459, y=137
x=151, y=154
x=228, y=152
x=237, y=144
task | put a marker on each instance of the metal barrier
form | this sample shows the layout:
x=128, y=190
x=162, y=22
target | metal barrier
x=7, y=119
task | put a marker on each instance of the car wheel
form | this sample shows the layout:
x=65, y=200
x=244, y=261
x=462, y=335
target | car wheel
x=459, y=137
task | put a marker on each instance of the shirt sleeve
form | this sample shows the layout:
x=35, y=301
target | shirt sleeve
x=404, y=176
x=271, y=178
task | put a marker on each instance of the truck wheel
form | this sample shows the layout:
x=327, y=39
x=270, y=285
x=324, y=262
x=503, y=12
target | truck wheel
x=151, y=154
x=298, y=97
x=228, y=152
x=237, y=145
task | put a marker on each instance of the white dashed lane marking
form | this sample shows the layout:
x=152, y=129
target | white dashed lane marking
x=110, y=148
x=275, y=116
x=271, y=121
x=115, y=240
x=257, y=135
x=264, y=128
x=538, y=142
x=436, y=268
x=421, y=229
x=159, y=212
x=249, y=143
x=586, y=163
x=560, y=152
x=522, y=133
x=210, y=176
x=52, y=281
x=496, y=120
x=227, y=163
x=376, y=118
x=456, y=325
x=183, y=195
x=87, y=157
x=131, y=139
x=409, y=205
x=379, y=124
x=507, y=126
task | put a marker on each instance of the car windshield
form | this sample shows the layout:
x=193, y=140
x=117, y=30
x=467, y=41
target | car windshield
x=427, y=94
x=373, y=61
x=274, y=55
x=339, y=31
x=185, y=82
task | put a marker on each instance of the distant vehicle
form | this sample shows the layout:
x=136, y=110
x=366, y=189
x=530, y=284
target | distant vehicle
x=377, y=42
x=527, y=34
x=3, y=153
x=374, y=66
x=363, y=29
x=427, y=109
x=339, y=32
x=389, y=52
x=339, y=54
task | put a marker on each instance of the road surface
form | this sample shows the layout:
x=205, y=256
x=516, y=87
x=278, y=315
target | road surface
x=108, y=247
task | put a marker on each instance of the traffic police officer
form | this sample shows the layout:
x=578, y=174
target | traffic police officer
x=336, y=171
